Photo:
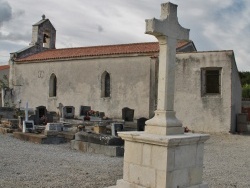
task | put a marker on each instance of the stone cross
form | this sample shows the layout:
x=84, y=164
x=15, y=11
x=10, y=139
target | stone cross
x=167, y=30
x=26, y=110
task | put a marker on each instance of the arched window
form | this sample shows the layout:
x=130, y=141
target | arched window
x=52, y=85
x=105, y=84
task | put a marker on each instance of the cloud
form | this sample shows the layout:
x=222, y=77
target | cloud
x=214, y=24
x=5, y=12
x=15, y=37
x=100, y=28
x=6, y=48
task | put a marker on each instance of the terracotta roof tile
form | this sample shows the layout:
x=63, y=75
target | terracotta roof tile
x=66, y=53
x=3, y=67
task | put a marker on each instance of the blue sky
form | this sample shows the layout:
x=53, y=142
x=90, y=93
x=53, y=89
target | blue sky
x=214, y=24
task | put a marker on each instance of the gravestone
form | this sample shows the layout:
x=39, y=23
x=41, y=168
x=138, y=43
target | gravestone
x=26, y=110
x=141, y=123
x=84, y=110
x=52, y=116
x=101, y=114
x=40, y=114
x=60, y=108
x=28, y=126
x=115, y=127
x=41, y=111
x=128, y=114
x=54, y=127
x=68, y=112
x=163, y=156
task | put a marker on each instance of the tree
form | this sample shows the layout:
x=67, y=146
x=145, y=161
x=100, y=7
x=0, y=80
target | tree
x=244, y=77
x=4, y=83
x=245, y=82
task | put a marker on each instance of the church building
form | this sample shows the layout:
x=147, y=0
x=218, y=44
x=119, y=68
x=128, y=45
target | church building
x=112, y=77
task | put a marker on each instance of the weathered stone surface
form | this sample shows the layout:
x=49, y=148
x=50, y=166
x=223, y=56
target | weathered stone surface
x=39, y=138
x=67, y=135
x=113, y=151
x=54, y=126
x=101, y=139
x=50, y=133
x=167, y=30
x=158, y=161
x=100, y=129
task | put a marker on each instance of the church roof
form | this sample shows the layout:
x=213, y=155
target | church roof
x=40, y=22
x=3, y=67
x=68, y=53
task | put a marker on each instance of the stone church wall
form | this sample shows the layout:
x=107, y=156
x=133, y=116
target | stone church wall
x=79, y=83
x=133, y=85
x=236, y=95
x=208, y=113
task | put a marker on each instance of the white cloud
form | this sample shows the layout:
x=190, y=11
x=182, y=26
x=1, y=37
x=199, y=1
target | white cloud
x=5, y=12
x=214, y=24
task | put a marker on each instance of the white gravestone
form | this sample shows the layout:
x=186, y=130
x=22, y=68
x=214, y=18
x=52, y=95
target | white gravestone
x=26, y=121
x=28, y=125
x=54, y=127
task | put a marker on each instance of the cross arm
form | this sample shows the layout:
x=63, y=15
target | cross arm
x=166, y=27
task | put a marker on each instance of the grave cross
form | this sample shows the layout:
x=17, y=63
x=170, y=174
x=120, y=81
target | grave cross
x=26, y=110
x=167, y=30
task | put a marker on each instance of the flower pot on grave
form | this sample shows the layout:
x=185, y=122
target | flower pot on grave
x=86, y=118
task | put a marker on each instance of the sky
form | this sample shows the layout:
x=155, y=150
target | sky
x=214, y=24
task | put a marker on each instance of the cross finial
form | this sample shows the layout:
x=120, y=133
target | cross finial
x=169, y=10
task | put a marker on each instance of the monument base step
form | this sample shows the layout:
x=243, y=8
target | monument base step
x=124, y=184
x=39, y=138
x=113, y=151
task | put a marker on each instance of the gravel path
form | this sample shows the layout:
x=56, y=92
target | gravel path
x=227, y=161
x=24, y=164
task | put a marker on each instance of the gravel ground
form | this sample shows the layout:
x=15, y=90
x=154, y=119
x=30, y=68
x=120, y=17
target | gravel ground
x=24, y=164
x=227, y=161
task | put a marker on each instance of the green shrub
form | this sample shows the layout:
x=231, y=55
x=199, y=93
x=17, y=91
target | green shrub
x=246, y=91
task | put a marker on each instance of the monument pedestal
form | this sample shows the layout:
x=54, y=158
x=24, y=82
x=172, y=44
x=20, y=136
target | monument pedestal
x=160, y=161
x=164, y=123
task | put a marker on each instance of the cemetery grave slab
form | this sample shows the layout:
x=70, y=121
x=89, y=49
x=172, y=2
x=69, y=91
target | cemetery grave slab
x=39, y=138
x=101, y=139
x=98, y=143
x=112, y=151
